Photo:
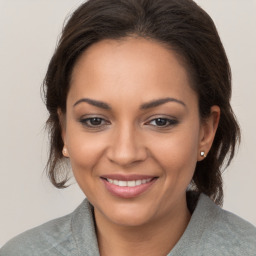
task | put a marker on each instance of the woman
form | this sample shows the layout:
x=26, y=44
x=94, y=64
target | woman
x=138, y=94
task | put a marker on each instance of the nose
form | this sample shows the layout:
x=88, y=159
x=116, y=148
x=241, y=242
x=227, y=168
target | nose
x=126, y=147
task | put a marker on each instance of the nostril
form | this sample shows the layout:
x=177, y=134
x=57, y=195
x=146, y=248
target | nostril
x=126, y=156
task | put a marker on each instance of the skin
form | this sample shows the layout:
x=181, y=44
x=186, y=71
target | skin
x=126, y=74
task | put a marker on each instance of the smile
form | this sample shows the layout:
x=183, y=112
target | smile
x=131, y=183
x=128, y=186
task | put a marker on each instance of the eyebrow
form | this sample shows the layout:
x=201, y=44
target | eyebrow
x=155, y=103
x=147, y=105
x=95, y=103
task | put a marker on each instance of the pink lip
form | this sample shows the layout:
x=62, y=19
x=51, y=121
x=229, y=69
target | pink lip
x=128, y=192
x=127, y=177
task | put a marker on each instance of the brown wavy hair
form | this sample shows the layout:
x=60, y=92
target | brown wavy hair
x=180, y=25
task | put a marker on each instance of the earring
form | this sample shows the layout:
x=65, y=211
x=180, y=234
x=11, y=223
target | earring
x=65, y=152
x=202, y=154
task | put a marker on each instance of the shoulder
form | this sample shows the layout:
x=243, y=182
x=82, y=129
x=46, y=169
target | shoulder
x=225, y=232
x=42, y=240
x=52, y=238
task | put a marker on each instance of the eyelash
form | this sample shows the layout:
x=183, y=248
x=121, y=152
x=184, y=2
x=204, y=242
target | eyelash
x=85, y=122
x=170, y=122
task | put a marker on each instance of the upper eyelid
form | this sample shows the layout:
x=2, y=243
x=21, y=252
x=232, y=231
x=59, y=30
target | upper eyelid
x=89, y=118
x=171, y=120
x=161, y=116
x=148, y=119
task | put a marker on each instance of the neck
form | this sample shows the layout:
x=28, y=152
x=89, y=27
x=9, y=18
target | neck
x=156, y=238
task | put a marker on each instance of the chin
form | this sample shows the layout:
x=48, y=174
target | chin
x=130, y=220
x=128, y=215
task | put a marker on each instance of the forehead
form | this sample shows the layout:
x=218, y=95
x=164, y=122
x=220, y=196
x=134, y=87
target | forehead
x=128, y=68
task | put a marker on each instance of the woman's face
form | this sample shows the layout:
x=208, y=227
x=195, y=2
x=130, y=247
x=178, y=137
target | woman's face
x=132, y=130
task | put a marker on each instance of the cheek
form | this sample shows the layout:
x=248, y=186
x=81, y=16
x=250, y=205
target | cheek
x=85, y=149
x=177, y=154
x=85, y=153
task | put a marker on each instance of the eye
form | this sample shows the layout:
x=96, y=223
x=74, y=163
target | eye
x=94, y=122
x=163, y=122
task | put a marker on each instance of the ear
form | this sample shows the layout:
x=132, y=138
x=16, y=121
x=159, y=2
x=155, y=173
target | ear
x=207, y=132
x=62, y=120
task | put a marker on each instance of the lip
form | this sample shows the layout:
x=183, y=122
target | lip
x=127, y=177
x=128, y=192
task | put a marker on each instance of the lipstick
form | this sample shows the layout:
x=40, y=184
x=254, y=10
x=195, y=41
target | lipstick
x=128, y=186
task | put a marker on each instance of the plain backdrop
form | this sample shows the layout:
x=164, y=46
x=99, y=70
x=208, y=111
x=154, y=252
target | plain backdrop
x=28, y=34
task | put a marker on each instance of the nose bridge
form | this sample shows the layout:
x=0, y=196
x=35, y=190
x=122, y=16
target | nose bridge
x=127, y=145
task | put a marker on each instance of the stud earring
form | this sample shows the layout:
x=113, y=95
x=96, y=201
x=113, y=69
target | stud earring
x=64, y=152
x=202, y=154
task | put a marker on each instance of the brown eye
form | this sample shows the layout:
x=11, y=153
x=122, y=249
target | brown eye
x=93, y=122
x=163, y=122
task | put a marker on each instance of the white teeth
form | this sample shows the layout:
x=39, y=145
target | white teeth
x=116, y=182
x=122, y=183
x=138, y=182
x=130, y=183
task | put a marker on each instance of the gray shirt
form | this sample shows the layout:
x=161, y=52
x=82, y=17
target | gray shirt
x=210, y=232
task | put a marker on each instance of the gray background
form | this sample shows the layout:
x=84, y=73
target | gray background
x=28, y=33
